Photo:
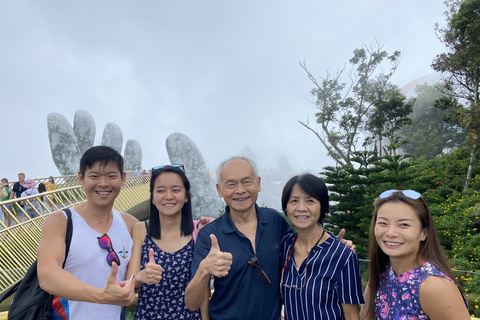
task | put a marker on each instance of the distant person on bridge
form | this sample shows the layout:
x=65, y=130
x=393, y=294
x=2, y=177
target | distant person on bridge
x=4, y=196
x=138, y=172
x=93, y=284
x=17, y=191
x=42, y=199
x=51, y=186
x=32, y=204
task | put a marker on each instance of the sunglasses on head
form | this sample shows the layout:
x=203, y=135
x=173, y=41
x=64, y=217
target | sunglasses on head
x=105, y=243
x=262, y=277
x=180, y=166
x=412, y=194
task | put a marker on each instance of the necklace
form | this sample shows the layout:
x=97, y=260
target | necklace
x=316, y=244
x=306, y=264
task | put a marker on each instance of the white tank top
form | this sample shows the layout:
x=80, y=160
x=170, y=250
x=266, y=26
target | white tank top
x=88, y=262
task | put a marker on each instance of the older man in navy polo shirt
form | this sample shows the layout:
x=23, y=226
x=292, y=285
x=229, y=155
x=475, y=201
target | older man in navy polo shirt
x=241, y=249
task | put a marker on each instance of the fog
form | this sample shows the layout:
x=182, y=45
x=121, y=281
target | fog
x=225, y=73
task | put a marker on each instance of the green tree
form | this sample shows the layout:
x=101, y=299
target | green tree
x=429, y=133
x=391, y=114
x=352, y=191
x=460, y=65
x=343, y=107
x=394, y=166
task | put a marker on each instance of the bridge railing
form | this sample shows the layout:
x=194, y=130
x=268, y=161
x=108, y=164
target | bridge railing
x=19, y=241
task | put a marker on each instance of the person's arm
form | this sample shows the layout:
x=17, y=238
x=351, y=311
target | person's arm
x=349, y=289
x=55, y=280
x=24, y=194
x=204, y=307
x=441, y=299
x=152, y=273
x=350, y=311
x=216, y=263
x=364, y=307
x=12, y=193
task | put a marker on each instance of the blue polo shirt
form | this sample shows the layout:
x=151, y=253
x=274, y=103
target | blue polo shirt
x=240, y=295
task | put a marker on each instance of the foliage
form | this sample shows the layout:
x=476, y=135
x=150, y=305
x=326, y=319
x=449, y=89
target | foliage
x=354, y=187
x=393, y=167
x=458, y=226
x=343, y=109
x=429, y=133
x=439, y=180
x=460, y=67
x=352, y=191
x=466, y=118
x=389, y=116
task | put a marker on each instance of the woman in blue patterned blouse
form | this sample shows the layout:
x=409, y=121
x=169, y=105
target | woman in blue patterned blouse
x=409, y=274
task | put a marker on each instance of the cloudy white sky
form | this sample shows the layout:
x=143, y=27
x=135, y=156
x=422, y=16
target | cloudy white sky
x=225, y=73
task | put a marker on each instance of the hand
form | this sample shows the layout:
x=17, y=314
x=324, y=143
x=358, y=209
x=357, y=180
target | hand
x=78, y=139
x=117, y=293
x=152, y=274
x=217, y=263
x=348, y=243
x=203, y=221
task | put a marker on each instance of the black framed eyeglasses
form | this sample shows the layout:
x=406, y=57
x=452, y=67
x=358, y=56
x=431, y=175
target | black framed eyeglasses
x=412, y=194
x=105, y=243
x=180, y=166
x=262, y=276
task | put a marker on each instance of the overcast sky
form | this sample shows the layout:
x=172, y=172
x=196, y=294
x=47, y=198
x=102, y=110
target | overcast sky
x=225, y=73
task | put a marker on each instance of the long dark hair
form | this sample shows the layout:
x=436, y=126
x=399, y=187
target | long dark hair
x=430, y=249
x=41, y=189
x=186, y=226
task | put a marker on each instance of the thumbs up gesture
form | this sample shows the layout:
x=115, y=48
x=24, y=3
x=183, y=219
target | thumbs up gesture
x=152, y=274
x=217, y=263
x=117, y=293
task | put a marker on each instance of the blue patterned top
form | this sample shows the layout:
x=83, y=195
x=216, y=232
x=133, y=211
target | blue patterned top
x=398, y=294
x=165, y=300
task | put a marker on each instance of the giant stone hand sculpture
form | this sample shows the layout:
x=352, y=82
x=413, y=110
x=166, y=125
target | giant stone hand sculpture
x=182, y=150
x=68, y=144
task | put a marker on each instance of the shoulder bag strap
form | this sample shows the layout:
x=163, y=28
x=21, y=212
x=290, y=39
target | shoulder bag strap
x=68, y=240
x=68, y=235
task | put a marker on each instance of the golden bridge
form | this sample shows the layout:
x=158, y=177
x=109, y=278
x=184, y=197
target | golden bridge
x=19, y=241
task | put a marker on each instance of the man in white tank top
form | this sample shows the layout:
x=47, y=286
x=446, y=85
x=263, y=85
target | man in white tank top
x=93, y=284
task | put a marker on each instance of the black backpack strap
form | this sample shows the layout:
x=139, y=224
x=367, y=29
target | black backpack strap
x=68, y=240
x=68, y=235
x=10, y=291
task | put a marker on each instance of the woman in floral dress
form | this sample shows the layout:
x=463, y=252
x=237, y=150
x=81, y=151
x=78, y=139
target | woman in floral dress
x=409, y=274
x=163, y=249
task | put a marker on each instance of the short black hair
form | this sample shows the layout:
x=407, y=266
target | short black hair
x=186, y=226
x=311, y=185
x=103, y=154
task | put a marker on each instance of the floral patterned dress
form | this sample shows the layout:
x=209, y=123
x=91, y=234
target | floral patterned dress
x=165, y=300
x=398, y=294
